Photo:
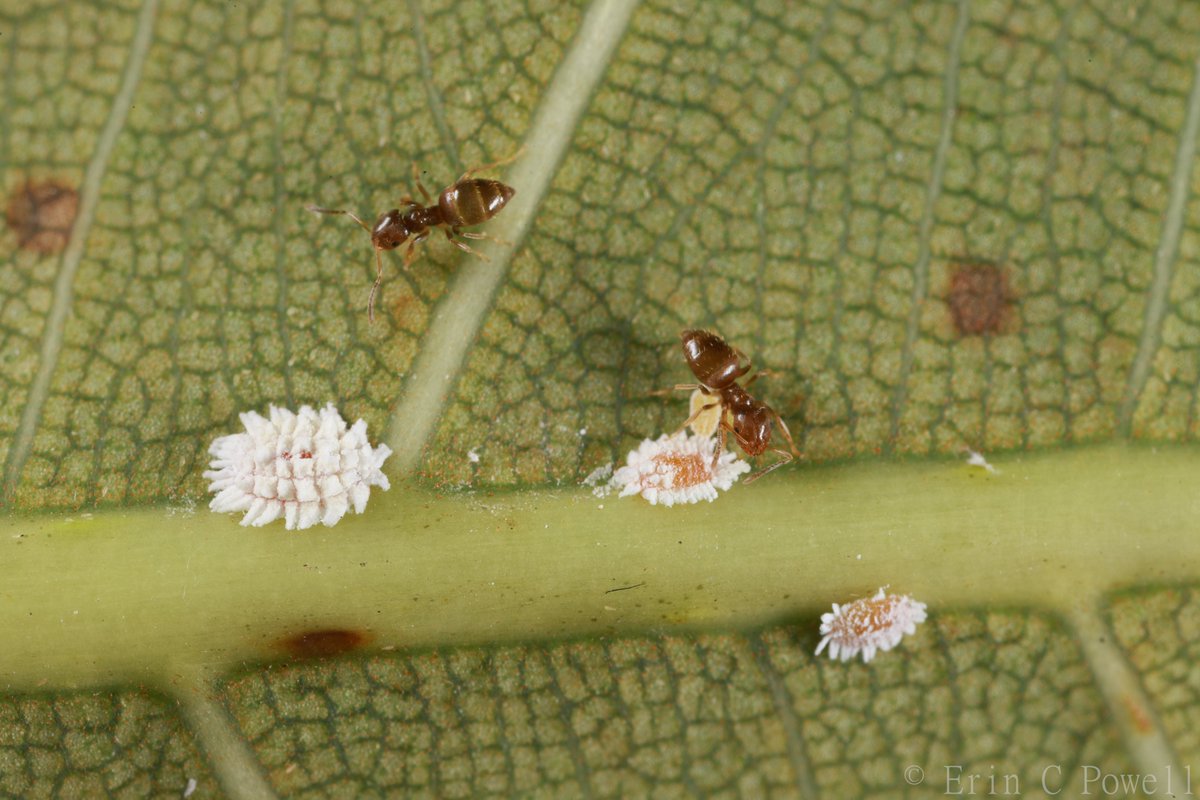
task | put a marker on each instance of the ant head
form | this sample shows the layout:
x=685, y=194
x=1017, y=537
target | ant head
x=752, y=427
x=389, y=231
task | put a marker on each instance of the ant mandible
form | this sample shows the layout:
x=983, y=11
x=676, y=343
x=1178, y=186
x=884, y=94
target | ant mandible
x=717, y=366
x=468, y=201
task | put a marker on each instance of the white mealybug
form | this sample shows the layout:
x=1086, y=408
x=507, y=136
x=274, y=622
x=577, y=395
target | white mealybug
x=869, y=624
x=677, y=469
x=305, y=467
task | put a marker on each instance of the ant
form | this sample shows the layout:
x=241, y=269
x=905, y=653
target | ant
x=717, y=366
x=468, y=201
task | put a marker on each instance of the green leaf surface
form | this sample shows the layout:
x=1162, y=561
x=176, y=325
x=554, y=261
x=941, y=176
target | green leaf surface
x=96, y=744
x=1158, y=629
x=942, y=226
x=710, y=716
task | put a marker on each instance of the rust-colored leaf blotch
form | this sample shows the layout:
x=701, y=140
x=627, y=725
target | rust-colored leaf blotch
x=324, y=642
x=41, y=214
x=979, y=299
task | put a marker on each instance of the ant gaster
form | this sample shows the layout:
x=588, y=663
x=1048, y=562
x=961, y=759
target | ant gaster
x=717, y=366
x=468, y=201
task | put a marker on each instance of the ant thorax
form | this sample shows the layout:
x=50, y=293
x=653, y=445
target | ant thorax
x=751, y=419
x=420, y=218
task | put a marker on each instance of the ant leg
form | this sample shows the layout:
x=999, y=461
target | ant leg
x=464, y=247
x=471, y=235
x=411, y=253
x=420, y=186
x=679, y=387
x=319, y=210
x=724, y=428
x=786, y=459
x=375, y=287
x=787, y=434
x=493, y=165
x=695, y=416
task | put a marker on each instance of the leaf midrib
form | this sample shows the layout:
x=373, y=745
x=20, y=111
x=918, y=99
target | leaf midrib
x=1073, y=524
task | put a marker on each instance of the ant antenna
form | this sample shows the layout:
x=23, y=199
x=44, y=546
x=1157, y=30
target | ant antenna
x=375, y=286
x=378, y=253
x=319, y=210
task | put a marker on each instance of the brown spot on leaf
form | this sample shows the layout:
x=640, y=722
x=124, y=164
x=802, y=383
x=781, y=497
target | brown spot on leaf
x=41, y=214
x=979, y=299
x=324, y=642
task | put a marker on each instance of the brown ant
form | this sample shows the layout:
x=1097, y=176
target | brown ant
x=717, y=366
x=468, y=201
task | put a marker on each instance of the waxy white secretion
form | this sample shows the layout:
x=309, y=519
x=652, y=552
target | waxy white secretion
x=869, y=625
x=678, y=469
x=306, y=467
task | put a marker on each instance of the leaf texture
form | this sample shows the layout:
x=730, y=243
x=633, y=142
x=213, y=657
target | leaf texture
x=206, y=288
x=61, y=69
x=1158, y=629
x=945, y=225
x=95, y=744
x=808, y=180
x=711, y=716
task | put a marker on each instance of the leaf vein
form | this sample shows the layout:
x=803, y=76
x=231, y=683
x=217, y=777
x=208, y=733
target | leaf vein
x=462, y=310
x=571, y=738
x=10, y=70
x=89, y=198
x=933, y=192
x=1053, y=157
x=1122, y=690
x=437, y=108
x=806, y=781
x=281, y=297
x=1164, y=258
x=232, y=759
